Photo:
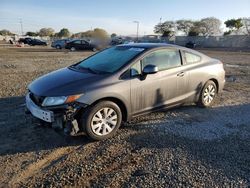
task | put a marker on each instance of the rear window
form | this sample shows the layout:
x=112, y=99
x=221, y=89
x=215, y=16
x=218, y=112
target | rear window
x=191, y=58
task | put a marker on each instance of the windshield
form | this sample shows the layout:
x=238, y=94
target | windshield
x=110, y=60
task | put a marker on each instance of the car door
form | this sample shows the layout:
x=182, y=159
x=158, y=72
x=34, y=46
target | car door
x=85, y=45
x=76, y=44
x=161, y=88
x=196, y=71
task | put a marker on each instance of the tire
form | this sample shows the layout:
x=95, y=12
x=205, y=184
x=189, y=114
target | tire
x=94, y=49
x=97, y=125
x=208, y=94
x=72, y=49
x=58, y=47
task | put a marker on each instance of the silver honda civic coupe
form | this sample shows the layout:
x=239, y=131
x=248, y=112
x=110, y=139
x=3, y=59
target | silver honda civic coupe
x=97, y=94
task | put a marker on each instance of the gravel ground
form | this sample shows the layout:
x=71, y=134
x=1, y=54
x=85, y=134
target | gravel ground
x=182, y=147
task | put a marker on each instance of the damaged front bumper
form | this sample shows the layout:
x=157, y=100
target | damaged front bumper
x=45, y=115
x=60, y=117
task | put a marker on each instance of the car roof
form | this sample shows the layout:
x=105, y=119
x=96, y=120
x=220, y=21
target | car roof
x=149, y=45
x=159, y=45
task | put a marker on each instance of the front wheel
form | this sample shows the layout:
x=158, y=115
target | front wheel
x=208, y=94
x=102, y=120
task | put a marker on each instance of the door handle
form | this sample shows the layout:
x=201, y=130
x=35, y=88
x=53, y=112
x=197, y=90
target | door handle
x=180, y=74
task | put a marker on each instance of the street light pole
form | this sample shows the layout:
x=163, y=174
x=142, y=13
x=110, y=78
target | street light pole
x=137, y=31
x=21, y=22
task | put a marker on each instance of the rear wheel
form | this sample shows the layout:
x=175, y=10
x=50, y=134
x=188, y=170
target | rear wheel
x=94, y=49
x=58, y=47
x=72, y=49
x=208, y=94
x=102, y=120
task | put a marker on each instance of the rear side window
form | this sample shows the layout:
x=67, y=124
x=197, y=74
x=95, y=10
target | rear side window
x=191, y=58
x=163, y=59
x=77, y=42
x=84, y=42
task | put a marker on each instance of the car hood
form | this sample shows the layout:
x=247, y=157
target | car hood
x=63, y=82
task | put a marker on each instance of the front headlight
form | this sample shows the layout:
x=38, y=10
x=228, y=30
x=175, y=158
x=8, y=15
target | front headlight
x=53, y=101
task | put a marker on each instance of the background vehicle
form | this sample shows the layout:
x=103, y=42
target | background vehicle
x=80, y=44
x=25, y=40
x=59, y=44
x=116, y=41
x=190, y=44
x=32, y=42
x=35, y=42
x=121, y=82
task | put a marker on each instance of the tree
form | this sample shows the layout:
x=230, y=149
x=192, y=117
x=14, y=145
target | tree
x=193, y=33
x=5, y=32
x=234, y=24
x=167, y=34
x=32, y=34
x=100, y=33
x=246, y=25
x=46, y=32
x=166, y=28
x=184, y=25
x=227, y=33
x=210, y=26
x=113, y=35
x=64, y=32
x=97, y=33
x=197, y=29
x=205, y=27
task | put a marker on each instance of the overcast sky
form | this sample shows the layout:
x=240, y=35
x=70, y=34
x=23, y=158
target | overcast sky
x=112, y=15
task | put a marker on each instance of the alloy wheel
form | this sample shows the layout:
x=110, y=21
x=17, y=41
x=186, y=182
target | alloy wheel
x=104, y=121
x=209, y=94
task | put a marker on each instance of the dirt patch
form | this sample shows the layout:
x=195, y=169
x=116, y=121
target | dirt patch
x=188, y=146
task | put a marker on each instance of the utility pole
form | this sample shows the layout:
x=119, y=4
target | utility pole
x=21, y=23
x=137, y=31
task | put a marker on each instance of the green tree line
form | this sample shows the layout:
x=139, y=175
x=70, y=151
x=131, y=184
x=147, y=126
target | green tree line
x=210, y=26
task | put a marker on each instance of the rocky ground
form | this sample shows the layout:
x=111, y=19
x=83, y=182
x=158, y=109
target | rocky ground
x=182, y=147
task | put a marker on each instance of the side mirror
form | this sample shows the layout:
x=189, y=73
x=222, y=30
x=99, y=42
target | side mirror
x=150, y=69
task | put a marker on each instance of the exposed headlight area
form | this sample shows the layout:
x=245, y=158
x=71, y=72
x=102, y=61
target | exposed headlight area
x=59, y=116
x=54, y=101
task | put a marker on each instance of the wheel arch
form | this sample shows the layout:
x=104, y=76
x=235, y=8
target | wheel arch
x=117, y=101
x=216, y=83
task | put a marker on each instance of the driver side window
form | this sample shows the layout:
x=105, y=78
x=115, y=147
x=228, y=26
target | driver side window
x=163, y=59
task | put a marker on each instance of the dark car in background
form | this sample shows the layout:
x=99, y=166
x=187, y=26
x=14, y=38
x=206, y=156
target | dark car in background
x=80, y=44
x=32, y=42
x=35, y=42
x=96, y=94
x=116, y=41
x=190, y=44
x=25, y=40
x=59, y=44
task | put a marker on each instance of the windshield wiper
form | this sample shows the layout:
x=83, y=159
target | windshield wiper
x=85, y=68
x=77, y=67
